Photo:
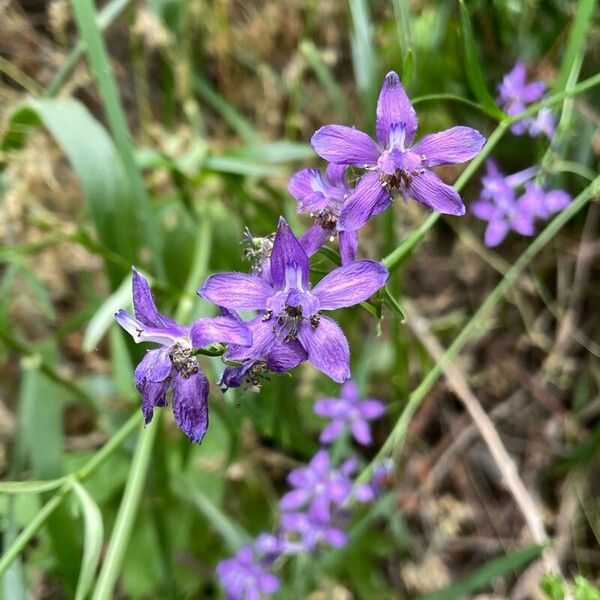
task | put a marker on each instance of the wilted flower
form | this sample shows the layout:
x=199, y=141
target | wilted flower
x=245, y=578
x=322, y=197
x=318, y=486
x=515, y=93
x=290, y=310
x=394, y=164
x=348, y=413
x=174, y=365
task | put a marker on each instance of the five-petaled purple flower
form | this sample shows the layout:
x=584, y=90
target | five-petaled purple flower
x=394, y=164
x=318, y=486
x=174, y=365
x=244, y=577
x=289, y=310
x=323, y=197
x=515, y=92
x=500, y=206
x=348, y=413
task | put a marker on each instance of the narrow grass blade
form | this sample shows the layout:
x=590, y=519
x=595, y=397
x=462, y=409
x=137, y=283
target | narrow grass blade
x=92, y=541
x=104, y=317
x=513, y=561
x=576, y=42
x=402, y=20
x=474, y=71
x=85, y=16
x=121, y=534
x=30, y=487
x=232, y=533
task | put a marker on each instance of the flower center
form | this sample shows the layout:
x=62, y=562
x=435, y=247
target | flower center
x=183, y=360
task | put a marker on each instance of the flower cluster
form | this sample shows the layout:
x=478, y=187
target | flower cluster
x=515, y=93
x=503, y=209
x=315, y=511
x=289, y=326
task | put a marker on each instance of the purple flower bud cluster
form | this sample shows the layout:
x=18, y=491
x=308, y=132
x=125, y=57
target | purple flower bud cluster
x=515, y=93
x=315, y=511
x=289, y=326
x=505, y=209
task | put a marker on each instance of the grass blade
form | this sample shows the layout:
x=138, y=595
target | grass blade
x=119, y=539
x=513, y=561
x=30, y=487
x=92, y=541
x=473, y=68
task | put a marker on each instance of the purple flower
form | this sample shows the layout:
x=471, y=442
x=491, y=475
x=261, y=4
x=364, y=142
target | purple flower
x=394, y=164
x=543, y=204
x=323, y=198
x=245, y=578
x=318, y=486
x=348, y=412
x=499, y=206
x=377, y=484
x=515, y=92
x=503, y=210
x=290, y=311
x=314, y=529
x=174, y=365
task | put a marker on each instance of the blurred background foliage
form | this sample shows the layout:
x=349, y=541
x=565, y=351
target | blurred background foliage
x=153, y=134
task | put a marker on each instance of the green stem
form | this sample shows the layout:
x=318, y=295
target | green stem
x=126, y=516
x=455, y=98
x=393, y=444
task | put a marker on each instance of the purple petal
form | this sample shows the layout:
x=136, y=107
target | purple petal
x=263, y=340
x=294, y=499
x=144, y=305
x=336, y=174
x=155, y=366
x=430, y=190
x=532, y=92
x=371, y=409
x=286, y=251
x=495, y=232
x=285, y=356
x=484, y=210
x=348, y=246
x=314, y=237
x=300, y=184
x=327, y=348
x=455, y=145
x=143, y=333
x=522, y=222
x=350, y=284
x=361, y=202
x=350, y=392
x=361, y=432
x=329, y=407
x=331, y=432
x=320, y=462
x=345, y=145
x=267, y=583
x=556, y=200
x=213, y=330
x=237, y=291
x=335, y=537
x=394, y=107
x=190, y=405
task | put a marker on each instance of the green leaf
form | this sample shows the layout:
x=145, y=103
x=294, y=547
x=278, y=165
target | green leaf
x=104, y=317
x=483, y=576
x=585, y=590
x=473, y=68
x=393, y=304
x=92, y=541
x=553, y=586
x=363, y=53
x=95, y=161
